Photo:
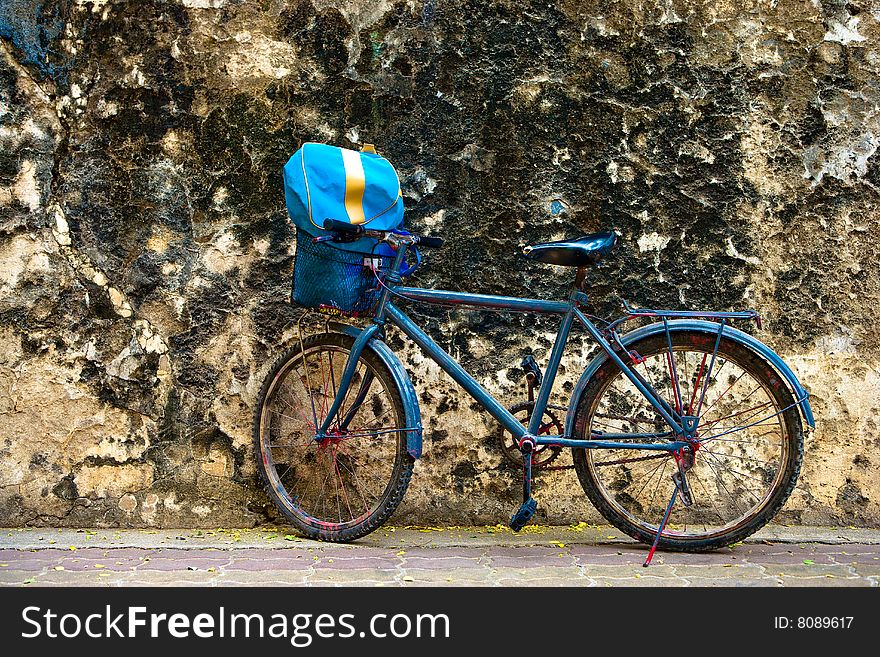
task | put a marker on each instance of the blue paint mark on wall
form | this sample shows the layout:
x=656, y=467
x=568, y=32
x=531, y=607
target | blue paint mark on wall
x=557, y=207
x=32, y=27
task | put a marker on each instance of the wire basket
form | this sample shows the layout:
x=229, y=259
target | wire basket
x=332, y=280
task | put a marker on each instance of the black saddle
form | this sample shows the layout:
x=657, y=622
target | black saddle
x=586, y=250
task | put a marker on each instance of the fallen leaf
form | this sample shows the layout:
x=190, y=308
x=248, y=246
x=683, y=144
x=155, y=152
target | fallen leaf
x=58, y=568
x=809, y=562
x=408, y=578
x=99, y=565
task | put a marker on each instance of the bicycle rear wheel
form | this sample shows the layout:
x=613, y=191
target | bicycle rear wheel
x=747, y=462
x=346, y=485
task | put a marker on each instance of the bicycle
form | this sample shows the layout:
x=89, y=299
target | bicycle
x=685, y=409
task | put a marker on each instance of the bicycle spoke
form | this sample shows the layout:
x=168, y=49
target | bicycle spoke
x=735, y=473
x=732, y=480
x=303, y=467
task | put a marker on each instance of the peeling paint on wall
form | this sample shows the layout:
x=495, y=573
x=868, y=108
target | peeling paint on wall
x=145, y=260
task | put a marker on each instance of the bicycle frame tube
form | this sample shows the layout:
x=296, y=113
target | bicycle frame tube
x=386, y=310
x=478, y=392
x=490, y=301
x=650, y=395
x=456, y=371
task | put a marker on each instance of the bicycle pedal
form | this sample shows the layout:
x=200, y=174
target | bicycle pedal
x=523, y=514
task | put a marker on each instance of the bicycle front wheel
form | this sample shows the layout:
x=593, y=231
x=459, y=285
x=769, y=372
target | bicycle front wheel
x=346, y=485
x=749, y=455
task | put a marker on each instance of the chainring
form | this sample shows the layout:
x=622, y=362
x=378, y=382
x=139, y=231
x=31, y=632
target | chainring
x=543, y=454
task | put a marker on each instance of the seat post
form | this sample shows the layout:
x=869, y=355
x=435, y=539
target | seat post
x=580, y=277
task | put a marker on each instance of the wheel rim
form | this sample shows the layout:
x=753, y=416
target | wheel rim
x=736, y=473
x=338, y=482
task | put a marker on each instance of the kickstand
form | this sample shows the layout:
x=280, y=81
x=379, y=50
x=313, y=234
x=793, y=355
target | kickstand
x=662, y=526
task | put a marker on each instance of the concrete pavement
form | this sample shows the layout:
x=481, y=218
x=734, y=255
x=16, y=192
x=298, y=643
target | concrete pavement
x=579, y=555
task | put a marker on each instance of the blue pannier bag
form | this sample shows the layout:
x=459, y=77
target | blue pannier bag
x=361, y=188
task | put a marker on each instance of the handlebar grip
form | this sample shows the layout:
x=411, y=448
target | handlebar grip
x=342, y=227
x=431, y=242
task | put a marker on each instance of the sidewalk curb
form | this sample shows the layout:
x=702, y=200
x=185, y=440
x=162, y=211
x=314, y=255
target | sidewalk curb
x=385, y=537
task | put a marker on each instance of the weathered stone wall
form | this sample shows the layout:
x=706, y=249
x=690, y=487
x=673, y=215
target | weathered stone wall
x=145, y=259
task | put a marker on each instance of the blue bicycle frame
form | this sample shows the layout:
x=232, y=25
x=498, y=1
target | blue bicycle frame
x=680, y=426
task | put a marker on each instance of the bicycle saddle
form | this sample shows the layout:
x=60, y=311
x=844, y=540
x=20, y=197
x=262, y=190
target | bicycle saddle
x=586, y=250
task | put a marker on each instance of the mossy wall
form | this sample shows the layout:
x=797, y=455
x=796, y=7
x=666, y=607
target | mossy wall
x=145, y=260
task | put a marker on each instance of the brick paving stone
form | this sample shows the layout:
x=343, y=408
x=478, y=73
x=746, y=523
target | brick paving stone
x=646, y=581
x=79, y=578
x=443, y=552
x=446, y=563
x=629, y=570
x=806, y=570
x=850, y=548
x=539, y=572
x=787, y=558
x=190, y=563
x=863, y=558
x=237, y=562
x=612, y=559
x=824, y=581
x=342, y=576
x=179, y=578
x=469, y=576
x=719, y=571
x=548, y=581
x=265, y=578
x=866, y=570
x=16, y=577
x=348, y=563
x=558, y=559
x=730, y=581
x=520, y=552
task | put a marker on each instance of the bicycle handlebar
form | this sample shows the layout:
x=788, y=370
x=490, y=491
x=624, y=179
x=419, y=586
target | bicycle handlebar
x=342, y=227
x=351, y=229
x=431, y=242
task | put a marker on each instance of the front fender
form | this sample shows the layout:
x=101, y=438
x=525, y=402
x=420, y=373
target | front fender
x=412, y=414
x=701, y=326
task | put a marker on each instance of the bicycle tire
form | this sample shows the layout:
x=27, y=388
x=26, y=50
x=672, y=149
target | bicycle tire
x=620, y=509
x=291, y=506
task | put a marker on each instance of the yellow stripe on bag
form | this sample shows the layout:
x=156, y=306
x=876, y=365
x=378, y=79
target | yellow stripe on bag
x=355, y=183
